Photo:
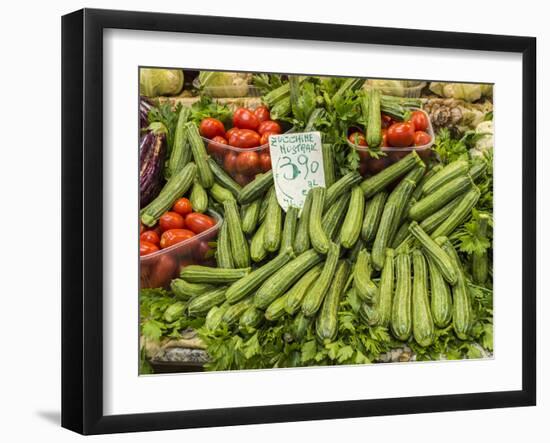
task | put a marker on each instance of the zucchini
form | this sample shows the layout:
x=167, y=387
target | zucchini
x=220, y=194
x=391, y=216
x=435, y=252
x=441, y=301
x=265, y=202
x=198, y=198
x=250, y=319
x=374, y=120
x=174, y=188
x=276, y=309
x=301, y=240
x=316, y=294
x=369, y=314
x=453, y=170
x=204, y=173
x=477, y=170
x=234, y=312
x=185, y=290
x=257, y=249
x=256, y=188
x=181, y=151
x=480, y=261
x=326, y=326
x=239, y=245
x=251, y=216
x=441, y=196
x=401, y=235
x=417, y=194
x=401, y=316
x=353, y=253
x=422, y=321
x=373, y=213
x=364, y=286
x=300, y=326
x=329, y=165
x=289, y=228
x=284, y=278
x=385, y=294
x=295, y=295
x=318, y=237
x=273, y=224
x=351, y=227
x=223, y=178
x=462, y=310
x=341, y=187
x=378, y=182
x=224, y=258
x=332, y=218
x=214, y=317
x=206, y=274
x=201, y=304
x=459, y=214
x=250, y=282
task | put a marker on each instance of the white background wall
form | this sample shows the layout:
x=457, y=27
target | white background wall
x=30, y=217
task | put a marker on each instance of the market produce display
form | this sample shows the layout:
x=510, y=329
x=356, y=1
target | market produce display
x=394, y=252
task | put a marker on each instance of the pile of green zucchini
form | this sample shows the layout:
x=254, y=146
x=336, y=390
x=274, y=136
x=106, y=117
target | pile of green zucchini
x=385, y=237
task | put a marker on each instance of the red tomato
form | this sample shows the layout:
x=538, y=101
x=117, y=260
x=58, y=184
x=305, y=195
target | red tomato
x=387, y=121
x=375, y=165
x=421, y=138
x=245, y=119
x=146, y=248
x=233, y=137
x=245, y=138
x=229, y=161
x=419, y=120
x=264, y=139
x=248, y=162
x=231, y=131
x=164, y=270
x=214, y=147
x=357, y=139
x=182, y=206
x=265, y=161
x=198, y=222
x=262, y=113
x=401, y=134
x=242, y=179
x=175, y=236
x=211, y=127
x=150, y=236
x=269, y=126
x=171, y=220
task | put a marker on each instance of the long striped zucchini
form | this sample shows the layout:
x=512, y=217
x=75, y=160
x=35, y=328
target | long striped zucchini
x=276, y=309
x=422, y=321
x=369, y=314
x=289, y=228
x=300, y=326
x=204, y=173
x=234, y=312
x=250, y=282
x=256, y=188
x=273, y=224
x=198, y=198
x=459, y=214
x=329, y=165
x=378, y=182
x=477, y=170
x=401, y=317
x=201, y=304
x=441, y=196
x=318, y=237
x=365, y=287
x=224, y=257
x=180, y=154
x=223, y=178
x=220, y=194
x=480, y=260
x=214, y=317
x=441, y=301
x=301, y=240
x=284, y=278
x=351, y=227
x=401, y=235
x=185, y=290
x=373, y=214
x=265, y=201
x=250, y=319
x=206, y=274
x=257, y=249
x=385, y=297
x=418, y=191
x=374, y=120
x=340, y=187
x=453, y=170
x=296, y=294
x=316, y=294
x=239, y=245
x=175, y=187
x=251, y=216
x=326, y=327
x=333, y=217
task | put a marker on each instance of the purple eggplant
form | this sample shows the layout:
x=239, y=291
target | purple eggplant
x=152, y=152
x=145, y=106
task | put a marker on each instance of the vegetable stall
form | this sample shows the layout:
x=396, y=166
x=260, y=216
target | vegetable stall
x=390, y=260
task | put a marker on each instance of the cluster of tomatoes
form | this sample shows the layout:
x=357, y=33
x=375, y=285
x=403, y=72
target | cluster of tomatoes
x=250, y=133
x=173, y=227
x=407, y=134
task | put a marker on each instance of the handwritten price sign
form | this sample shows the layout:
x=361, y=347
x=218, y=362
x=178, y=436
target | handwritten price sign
x=297, y=160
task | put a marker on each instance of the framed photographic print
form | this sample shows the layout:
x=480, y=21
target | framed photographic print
x=342, y=225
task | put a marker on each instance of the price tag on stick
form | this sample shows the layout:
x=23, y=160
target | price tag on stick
x=297, y=162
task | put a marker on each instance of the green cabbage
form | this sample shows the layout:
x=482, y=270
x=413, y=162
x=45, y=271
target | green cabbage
x=224, y=84
x=156, y=82
x=469, y=92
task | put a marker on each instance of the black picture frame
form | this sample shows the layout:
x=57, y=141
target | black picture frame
x=82, y=218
